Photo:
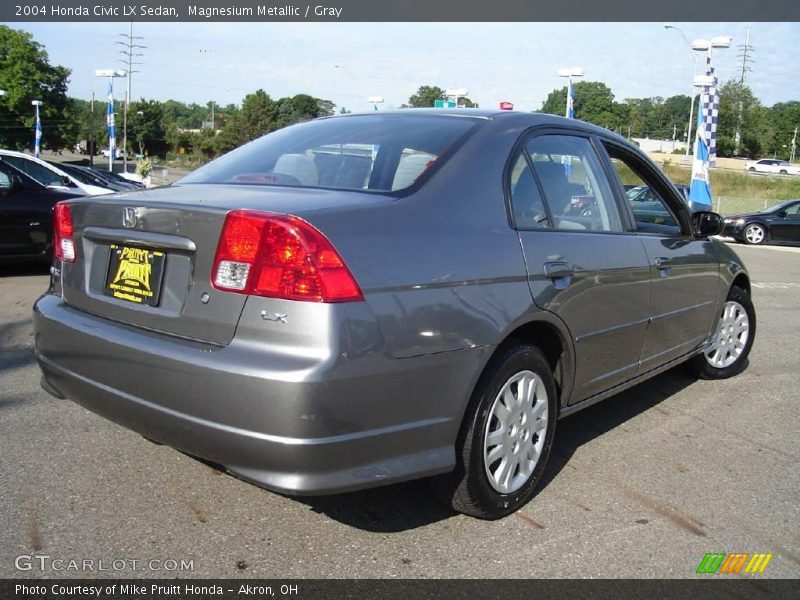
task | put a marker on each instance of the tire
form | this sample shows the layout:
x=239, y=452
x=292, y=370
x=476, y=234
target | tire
x=752, y=169
x=784, y=172
x=754, y=234
x=477, y=486
x=733, y=337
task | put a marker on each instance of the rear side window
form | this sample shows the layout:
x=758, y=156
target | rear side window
x=526, y=201
x=574, y=185
x=38, y=172
x=381, y=153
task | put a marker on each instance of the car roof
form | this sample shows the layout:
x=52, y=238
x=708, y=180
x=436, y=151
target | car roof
x=517, y=118
x=40, y=161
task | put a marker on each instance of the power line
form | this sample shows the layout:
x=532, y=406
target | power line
x=130, y=46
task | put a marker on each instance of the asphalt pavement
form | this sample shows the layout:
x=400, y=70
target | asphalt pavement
x=641, y=485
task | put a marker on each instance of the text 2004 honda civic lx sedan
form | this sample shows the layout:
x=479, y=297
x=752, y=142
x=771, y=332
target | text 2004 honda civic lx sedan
x=366, y=299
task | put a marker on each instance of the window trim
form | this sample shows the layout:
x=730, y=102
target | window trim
x=663, y=187
x=588, y=136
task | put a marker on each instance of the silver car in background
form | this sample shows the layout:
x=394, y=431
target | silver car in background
x=366, y=299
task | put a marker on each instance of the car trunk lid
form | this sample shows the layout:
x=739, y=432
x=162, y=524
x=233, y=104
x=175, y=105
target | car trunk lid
x=146, y=258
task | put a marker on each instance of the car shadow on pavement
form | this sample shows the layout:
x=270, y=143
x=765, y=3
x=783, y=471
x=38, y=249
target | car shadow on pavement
x=406, y=506
x=574, y=431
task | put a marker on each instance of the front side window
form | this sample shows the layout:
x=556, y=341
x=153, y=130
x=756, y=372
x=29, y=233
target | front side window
x=573, y=182
x=650, y=212
x=793, y=210
x=379, y=153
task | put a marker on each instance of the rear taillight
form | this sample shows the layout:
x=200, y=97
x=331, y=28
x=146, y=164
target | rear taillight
x=63, y=242
x=280, y=256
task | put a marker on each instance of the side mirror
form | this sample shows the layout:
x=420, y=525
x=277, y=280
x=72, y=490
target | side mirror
x=781, y=214
x=706, y=223
x=66, y=181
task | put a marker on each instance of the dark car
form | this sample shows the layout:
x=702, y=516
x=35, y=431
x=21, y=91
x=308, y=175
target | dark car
x=776, y=224
x=365, y=299
x=93, y=177
x=26, y=216
x=643, y=199
x=113, y=177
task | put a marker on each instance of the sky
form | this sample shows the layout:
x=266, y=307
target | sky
x=347, y=62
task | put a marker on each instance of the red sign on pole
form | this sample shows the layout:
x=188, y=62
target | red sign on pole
x=506, y=105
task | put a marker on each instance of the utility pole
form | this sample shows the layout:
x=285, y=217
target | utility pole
x=130, y=46
x=91, y=134
x=794, y=146
x=746, y=51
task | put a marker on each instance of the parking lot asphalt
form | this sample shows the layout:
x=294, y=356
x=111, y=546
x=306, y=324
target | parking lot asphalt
x=641, y=485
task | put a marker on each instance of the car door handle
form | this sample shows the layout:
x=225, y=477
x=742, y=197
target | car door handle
x=558, y=270
x=663, y=263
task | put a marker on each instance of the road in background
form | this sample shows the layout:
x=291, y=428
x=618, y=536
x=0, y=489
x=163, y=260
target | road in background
x=641, y=485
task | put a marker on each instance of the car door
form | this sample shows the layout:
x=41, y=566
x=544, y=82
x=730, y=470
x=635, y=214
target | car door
x=785, y=225
x=582, y=265
x=25, y=214
x=684, y=270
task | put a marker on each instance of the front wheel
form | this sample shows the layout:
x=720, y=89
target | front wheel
x=754, y=234
x=727, y=352
x=505, y=437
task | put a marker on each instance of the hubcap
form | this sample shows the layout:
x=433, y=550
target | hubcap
x=730, y=338
x=754, y=234
x=515, y=432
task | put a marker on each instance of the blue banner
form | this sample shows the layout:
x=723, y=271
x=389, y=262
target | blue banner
x=112, y=133
x=37, y=142
x=705, y=144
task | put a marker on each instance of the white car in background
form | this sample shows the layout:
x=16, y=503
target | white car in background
x=772, y=165
x=49, y=175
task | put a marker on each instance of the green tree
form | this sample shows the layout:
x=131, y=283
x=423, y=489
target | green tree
x=594, y=103
x=740, y=109
x=782, y=119
x=26, y=74
x=426, y=96
x=259, y=115
x=146, y=127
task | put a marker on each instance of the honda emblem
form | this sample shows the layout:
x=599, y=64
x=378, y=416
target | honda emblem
x=130, y=216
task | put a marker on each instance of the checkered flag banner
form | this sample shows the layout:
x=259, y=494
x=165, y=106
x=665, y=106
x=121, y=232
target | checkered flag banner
x=709, y=102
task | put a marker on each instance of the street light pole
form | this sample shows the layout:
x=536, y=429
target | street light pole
x=569, y=74
x=691, y=96
x=355, y=82
x=112, y=142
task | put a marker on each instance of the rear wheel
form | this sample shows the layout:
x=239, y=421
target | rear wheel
x=726, y=354
x=505, y=438
x=754, y=234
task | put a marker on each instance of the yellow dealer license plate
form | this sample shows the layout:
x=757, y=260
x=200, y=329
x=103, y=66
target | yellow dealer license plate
x=134, y=274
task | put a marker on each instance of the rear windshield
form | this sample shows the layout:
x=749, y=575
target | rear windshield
x=377, y=152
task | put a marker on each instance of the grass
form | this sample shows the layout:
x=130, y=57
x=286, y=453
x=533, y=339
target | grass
x=740, y=192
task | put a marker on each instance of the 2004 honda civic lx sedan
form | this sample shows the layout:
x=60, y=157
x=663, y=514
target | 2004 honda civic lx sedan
x=366, y=299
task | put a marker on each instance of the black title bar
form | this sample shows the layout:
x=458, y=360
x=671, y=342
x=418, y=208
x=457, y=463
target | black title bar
x=399, y=11
x=712, y=587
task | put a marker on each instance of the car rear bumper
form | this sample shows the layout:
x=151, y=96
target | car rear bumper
x=294, y=424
